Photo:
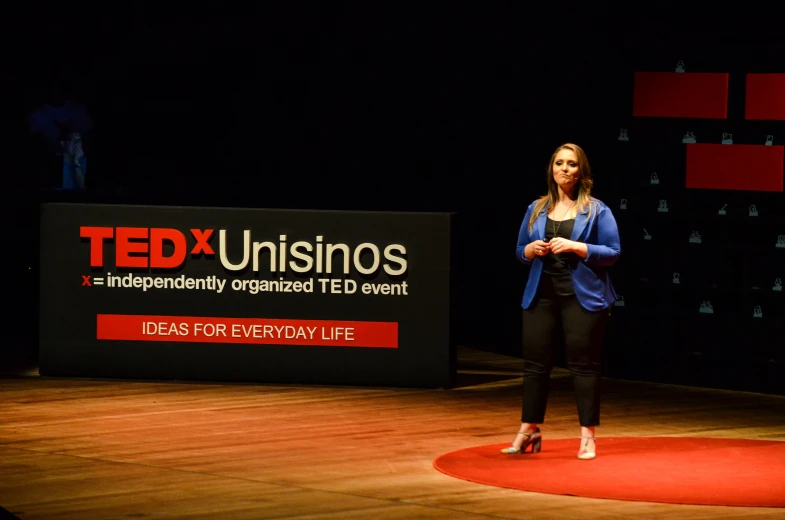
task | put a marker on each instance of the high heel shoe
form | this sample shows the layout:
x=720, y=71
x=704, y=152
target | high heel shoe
x=533, y=439
x=585, y=454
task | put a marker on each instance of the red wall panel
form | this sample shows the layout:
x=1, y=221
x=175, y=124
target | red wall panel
x=681, y=94
x=749, y=167
x=765, y=96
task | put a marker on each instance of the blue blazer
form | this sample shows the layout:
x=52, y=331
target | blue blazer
x=590, y=278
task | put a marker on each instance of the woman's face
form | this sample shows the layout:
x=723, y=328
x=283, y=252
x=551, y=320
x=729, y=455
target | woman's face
x=566, y=172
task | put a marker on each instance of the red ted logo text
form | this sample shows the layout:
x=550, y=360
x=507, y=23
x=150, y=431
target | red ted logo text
x=144, y=247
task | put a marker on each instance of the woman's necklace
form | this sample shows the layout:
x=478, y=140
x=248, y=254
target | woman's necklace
x=555, y=227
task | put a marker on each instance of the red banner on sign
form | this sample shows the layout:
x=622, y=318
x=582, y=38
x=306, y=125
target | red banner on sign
x=258, y=331
x=765, y=97
x=714, y=166
x=674, y=94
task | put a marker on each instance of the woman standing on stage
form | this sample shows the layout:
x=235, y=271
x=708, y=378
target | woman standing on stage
x=570, y=240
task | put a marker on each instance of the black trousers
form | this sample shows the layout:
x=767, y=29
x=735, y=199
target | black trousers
x=554, y=320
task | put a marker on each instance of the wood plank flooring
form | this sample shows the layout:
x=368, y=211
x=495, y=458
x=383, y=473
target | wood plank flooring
x=94, y=449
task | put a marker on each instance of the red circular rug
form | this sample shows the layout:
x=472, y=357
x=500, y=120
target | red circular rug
x=677, y=470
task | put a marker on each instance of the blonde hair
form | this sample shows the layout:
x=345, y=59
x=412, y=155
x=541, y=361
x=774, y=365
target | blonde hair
x=585, y=184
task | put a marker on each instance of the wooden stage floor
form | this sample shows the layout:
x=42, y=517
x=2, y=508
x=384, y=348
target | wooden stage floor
x=104, y=449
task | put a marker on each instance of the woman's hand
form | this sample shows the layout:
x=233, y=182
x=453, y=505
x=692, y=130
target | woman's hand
x=540, y=248
x=561, y=245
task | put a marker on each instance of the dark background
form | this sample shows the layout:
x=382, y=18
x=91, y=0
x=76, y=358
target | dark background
x=379, y=106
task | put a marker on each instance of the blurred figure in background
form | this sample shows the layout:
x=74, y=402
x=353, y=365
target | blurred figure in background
x=59, y=128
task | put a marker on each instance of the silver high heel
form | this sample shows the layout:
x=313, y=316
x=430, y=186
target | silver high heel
x=584, y=454
x=533, y=439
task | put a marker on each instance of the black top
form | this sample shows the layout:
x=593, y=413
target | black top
x=557, y=267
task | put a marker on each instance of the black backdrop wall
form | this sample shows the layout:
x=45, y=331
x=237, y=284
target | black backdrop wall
x=390, y=108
